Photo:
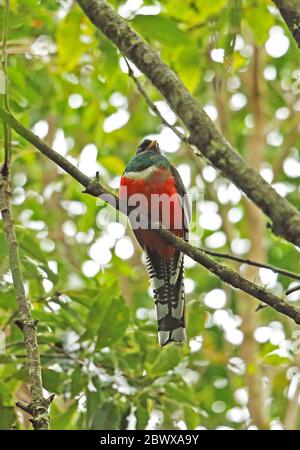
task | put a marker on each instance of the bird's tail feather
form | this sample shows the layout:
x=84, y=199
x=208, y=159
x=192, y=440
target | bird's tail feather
x=167, y=279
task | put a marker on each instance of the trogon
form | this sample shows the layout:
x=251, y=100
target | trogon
x=164, y=202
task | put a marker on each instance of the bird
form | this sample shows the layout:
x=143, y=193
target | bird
x=148, y=177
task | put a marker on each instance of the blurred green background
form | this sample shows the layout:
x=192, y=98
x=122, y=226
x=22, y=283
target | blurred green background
x=84, y=272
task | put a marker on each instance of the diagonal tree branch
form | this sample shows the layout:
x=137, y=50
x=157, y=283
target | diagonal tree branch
x=290, y=11
x=203, y=133
x=96, y=189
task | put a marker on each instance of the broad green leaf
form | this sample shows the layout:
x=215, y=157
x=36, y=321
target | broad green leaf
x=180, y=395
x=29, y=244
x=69, y=47
x=113, y=324
x=107, y=417
x=7, y=417
x=142, y=417
x=77, y=381
x=160, y=28
x=52, y=380
x=7, y=299
x=63, y=421
x=168, y=358
x=276, y=359
x=259, y=20
x=97, y=312
x=6, y=359
x=4, y=393
x=196, y=317
x=191, y=418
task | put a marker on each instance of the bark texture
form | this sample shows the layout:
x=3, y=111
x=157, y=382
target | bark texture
x=38, y=408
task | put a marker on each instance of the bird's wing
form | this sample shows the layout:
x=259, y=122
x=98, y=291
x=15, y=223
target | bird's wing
x=184, y=198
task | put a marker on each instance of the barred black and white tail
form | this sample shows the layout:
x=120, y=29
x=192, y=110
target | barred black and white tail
x=167, y=281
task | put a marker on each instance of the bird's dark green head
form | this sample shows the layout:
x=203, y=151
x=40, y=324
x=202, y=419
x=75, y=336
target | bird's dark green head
x=147, y=144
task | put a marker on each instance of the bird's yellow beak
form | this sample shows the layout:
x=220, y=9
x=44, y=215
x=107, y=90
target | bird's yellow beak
x=153, y=144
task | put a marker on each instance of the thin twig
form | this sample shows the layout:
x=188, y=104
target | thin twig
x=152, y=105
x=293, y=289
x=95, y=189
x=249, y=262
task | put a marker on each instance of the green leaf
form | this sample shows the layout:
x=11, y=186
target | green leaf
x=196, y=317
x=77, y=381
x=7, y=299
x=114, y=323
x=30, y=245
x=3, y=246
x=142, y=417
x=180, y=395
x=5, y=393
x=93, y=400
x=276, y=359
x=107, y=417
x=160, y=28
x=6, y=359
x=168, y=358
x=191, y=418
x=7, y=417
x=52, y=380
x=69, y=46
x=63, y=420
x=260, y=21
x=98, y=310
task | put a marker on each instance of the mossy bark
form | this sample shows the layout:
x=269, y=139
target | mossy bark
x=38, y=408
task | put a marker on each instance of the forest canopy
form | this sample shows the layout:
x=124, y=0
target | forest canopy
x=79, y=91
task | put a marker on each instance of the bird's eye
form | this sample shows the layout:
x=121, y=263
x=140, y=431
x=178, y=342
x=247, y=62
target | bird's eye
x=143, y=145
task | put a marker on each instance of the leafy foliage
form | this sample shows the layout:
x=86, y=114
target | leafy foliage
x=86, y=281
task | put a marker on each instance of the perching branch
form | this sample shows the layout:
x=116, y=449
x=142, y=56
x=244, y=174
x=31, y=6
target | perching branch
x=203, y=133
x=95, y=189
x=38, y=408
x=290, y=11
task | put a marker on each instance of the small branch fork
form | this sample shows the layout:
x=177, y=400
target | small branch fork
x=96, y=189
x=38, y=408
